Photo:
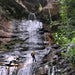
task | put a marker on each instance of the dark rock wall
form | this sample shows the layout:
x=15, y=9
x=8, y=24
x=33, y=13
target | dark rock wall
x=12, y=9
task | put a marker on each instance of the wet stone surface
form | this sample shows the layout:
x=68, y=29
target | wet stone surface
x=58, y=64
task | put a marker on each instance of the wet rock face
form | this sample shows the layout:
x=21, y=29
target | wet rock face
x=5, y=31
x=58, y=64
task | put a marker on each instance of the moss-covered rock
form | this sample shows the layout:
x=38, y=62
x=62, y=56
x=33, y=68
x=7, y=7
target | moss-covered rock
x=15, y=41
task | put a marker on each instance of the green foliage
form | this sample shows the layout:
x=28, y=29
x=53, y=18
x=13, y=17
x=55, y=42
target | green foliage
x=67, y=9
x=73, y=40
x=54, y=23
x=66, y=35
x=66, y=38
x=71, y=55
x=67, y=44
x=63, y=10
x=60, y=39
x=68, y=28
x=63, y=53
x=71, y=51
x=67, y=12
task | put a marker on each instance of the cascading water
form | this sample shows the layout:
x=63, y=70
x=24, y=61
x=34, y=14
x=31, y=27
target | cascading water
x=27, y=36
x=33, y=43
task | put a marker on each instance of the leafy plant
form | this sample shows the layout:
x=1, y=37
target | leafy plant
x=60, y=39
x=66, y=36
x=66, y=43
x=71, y=51
x=54, y=23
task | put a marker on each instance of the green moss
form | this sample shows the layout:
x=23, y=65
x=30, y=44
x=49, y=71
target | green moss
x=21, y=42
x=15, y=41
x=62, y=70
x=12, y=42
x=2, y=47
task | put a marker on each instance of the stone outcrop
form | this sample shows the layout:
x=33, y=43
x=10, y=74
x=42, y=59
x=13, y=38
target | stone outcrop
x=56, y=63
x=5, y=31
x=48, y=38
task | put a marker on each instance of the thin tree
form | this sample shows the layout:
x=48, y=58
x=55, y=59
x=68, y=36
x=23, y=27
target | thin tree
x=49, y=10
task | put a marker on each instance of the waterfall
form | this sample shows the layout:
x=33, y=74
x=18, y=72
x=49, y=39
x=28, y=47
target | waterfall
x=53, y=71
x=49, y=71
x=27, y=68
x=31, y=16
x=34, y=36
x=27, y=36
x=35, y=41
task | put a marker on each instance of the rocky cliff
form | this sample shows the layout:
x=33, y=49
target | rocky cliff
x=5, y=31
x=20, y=9
x=55, y=63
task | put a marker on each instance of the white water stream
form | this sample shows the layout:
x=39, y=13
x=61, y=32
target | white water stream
x=28, y=33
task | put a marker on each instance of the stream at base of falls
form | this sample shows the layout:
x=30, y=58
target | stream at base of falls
x=27, y=36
